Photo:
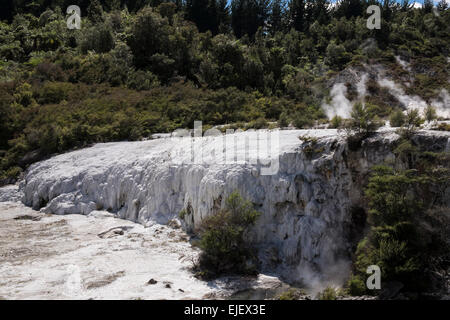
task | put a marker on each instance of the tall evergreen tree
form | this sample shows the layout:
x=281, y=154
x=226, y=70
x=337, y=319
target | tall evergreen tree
x=95, y=11
x=427, y=6
x=317, y=10
x=7, y=10
x=349, y=8
x=405, y=5
x=223, y=16
x=442, y=5
x=297, y=14
x=203, y=13
x=277, y=16
x=247, y=16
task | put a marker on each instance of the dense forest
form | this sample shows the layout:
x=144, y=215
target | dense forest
x=146, y=66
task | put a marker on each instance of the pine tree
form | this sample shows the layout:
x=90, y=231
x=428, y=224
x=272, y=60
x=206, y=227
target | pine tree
x=277, y=16
x=247, y=16
x=349, y=8
x=316, y=10
x=95, y=11
x=203, y=13
x=223, y=16
x=297, y=14
x=427, y=6
x=442, y=5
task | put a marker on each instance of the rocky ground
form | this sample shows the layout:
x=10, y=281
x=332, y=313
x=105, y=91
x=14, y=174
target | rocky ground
x=56, y=253
x=92, y=257
x=99, y=256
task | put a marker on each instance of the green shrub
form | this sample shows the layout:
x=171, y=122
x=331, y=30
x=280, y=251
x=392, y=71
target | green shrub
x=412, y=123
x=182, y=214
x=397, y=119
x=406, y=152
x=142, y=80
x=336, y=55
x=362, y=121
x=99, y=38
x=291, y=294
x=302, y=120
x=260, y=123
x=283, y=121
x=24, y=95
x=430, y=113
x=336, y=122
x=356, y=286
x=310, y=146
x=10, y=175
x=328, y=293
x=443, y=127
x=401, y=240
x=224, y=249
x=53, y=92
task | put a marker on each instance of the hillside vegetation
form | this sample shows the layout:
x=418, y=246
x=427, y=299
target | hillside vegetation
x=140, y=67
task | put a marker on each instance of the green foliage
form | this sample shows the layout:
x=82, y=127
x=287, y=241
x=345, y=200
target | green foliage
x=406, y=152
x=24, y=95
x=397, y=118
x=389, y=197
x=302, y=120
x=222, y=239
x=291, y=294
x=399, y=241
x=260, y=123
x=95, y=11
x=412, y=123
x=98, y=38
x=336, y=55
x=362, y=121
x=443, y=127
x=336, y=122
x=53, y=92
x=148, y=68
x=283, y=121
x=10, y=175
x=430, y=113
x=182, y=214
x=310, y=146
x=142, y=80
x=356, y=286
x=328, y=293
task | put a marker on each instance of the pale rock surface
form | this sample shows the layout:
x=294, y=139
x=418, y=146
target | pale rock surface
x=98, y=256
x=302, y=233
x=84, y=257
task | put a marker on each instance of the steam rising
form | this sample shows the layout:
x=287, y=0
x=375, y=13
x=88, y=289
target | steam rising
x=361, y=86
x=442, y=104
x=403, y=64
x=339, y=105
x=334, y=276
x=409, y=102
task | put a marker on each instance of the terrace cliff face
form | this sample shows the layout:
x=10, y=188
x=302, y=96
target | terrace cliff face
x=307, y=226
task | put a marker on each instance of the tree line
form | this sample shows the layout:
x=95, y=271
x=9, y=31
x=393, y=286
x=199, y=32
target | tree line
x=243, y=17
x=136, y=68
